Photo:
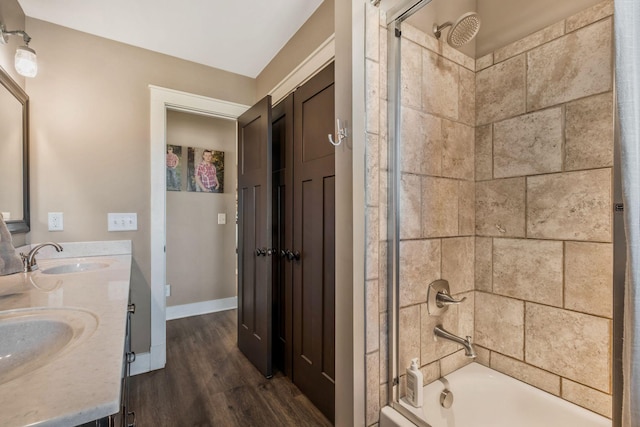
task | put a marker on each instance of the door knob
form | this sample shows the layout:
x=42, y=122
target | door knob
x=261, y=252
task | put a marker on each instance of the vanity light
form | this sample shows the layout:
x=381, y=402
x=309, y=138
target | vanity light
x=26, y=62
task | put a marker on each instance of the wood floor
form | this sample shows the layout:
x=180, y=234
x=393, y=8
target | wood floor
x=208, y=382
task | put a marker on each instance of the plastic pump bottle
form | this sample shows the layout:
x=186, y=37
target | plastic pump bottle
x=414, y=384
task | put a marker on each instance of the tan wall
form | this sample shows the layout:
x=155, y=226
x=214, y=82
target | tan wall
x=201, y=254
x=318, y=28
x=90, y=139
x=540, y=239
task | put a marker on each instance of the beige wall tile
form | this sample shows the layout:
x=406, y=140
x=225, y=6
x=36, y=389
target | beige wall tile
x=382, y=60
x=589, y=133
x=589, y=278
x=421, y=147
x=467, y=97
x=570, y=206
x=372, y=96
x=526, y=373
x=528, y=144
x=419, y=266
x=467, y=208
x=500, y=324
x=409, y=345
x=484, y=264
x=586, y=397
x=534, y=40
x=500, y=208
x=572, y=345
x=571, y=67
x=372, y=32
x=590, y=15
x=484, y=62
x=455, y=55
x=528, y=269
x=457, y=263
x=439, y=85
x=439, y=207
x=453, y=362
x=483, y=356
x=372, y=179
x=384, y=348
x=410, y=207
x=411, y=72
x=484, y=152
x=500, y=91
x=382, y=276
x=373, y=388
x=415, y=35
x=458, y=141
x=372, y=309
x=430, y=372
x=384, y=395
x=373, y=245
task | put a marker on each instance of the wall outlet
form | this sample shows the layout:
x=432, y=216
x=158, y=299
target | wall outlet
x=122, y=221
x=222, y=218
x=167, y=290
x=56, y=221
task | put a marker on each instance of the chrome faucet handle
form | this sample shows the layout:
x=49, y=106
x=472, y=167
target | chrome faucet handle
x=443, y=298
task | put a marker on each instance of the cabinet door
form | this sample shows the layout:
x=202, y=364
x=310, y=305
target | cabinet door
x=314, y=239
x=254, y=235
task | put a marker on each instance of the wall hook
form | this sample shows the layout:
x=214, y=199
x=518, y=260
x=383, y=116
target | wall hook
x=342, y=134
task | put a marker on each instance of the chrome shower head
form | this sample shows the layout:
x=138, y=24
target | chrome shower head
x=462, y=32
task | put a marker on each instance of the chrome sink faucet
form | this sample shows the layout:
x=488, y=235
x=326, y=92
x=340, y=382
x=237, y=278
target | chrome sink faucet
x=29, y=260
x=469, y=351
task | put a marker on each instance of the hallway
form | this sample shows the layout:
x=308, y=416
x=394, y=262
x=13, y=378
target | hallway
x=208, y=382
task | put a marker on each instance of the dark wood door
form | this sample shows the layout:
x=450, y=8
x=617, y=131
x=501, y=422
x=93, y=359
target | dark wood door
x=282, y=233
x=314, y=240
x=254, y=235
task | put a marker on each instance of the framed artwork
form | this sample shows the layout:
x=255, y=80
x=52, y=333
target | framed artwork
x=174, y=172
x=205, y=169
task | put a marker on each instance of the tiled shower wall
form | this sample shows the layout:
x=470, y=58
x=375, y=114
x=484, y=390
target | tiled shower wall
x=544, y=257
x=539, y=293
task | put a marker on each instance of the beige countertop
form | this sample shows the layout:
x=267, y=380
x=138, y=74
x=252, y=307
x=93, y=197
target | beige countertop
x=82, y=382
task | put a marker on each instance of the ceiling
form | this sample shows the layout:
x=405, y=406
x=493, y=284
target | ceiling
x=240, y=36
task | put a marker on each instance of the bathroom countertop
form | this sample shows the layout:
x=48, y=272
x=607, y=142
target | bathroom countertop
x=83, y=381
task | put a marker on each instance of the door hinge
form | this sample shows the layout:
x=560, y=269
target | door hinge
x=618, y=207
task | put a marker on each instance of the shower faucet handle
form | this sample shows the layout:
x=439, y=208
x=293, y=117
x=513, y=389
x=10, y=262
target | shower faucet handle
x=443, y=298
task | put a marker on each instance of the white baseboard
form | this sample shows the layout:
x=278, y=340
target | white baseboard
x=198, y=308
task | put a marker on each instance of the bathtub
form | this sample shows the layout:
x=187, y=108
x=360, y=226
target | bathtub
x=483, y=397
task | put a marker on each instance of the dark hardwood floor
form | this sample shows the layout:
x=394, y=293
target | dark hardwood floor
x=208, y=382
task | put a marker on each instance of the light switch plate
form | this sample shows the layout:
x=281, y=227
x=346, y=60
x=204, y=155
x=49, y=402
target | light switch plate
x=122, y=221
x=55, y=221
x=222, y=218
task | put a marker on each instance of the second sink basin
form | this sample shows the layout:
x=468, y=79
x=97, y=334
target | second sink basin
x=74, y=268
x=33, y=338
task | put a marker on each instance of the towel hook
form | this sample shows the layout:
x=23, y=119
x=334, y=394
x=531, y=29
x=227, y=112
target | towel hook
x=342, y=134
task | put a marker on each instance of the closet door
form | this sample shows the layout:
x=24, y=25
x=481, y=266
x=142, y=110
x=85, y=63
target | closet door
x=314, y=241
x=254, y=235
x=282, y=233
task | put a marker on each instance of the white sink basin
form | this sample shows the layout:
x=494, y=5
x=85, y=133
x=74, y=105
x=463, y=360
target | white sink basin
x=75, y=267
x=33, y=338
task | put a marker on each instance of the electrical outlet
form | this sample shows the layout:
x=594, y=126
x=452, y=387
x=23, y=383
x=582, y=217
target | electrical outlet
x=222, y=218
x=122, y=221
x=167, y=290
x=56, y=221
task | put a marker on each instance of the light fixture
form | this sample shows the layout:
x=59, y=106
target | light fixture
x=26, y=62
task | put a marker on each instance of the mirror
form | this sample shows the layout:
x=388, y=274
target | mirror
x=14, y=160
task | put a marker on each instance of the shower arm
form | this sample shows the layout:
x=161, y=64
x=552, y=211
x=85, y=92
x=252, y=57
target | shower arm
x=437, y=29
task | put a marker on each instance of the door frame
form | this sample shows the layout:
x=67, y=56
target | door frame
x=163, y=99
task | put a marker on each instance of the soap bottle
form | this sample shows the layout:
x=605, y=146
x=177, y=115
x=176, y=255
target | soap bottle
x=414, y=384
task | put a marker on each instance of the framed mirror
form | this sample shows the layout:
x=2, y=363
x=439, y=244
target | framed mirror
x=14, y=154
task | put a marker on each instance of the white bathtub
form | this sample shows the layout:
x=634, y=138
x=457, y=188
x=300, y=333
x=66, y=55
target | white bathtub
x=486, y=398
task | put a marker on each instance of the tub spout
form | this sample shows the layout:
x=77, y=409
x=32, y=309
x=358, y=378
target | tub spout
x=469, y=351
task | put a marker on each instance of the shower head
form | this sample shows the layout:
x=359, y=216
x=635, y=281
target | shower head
x=462, y=32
